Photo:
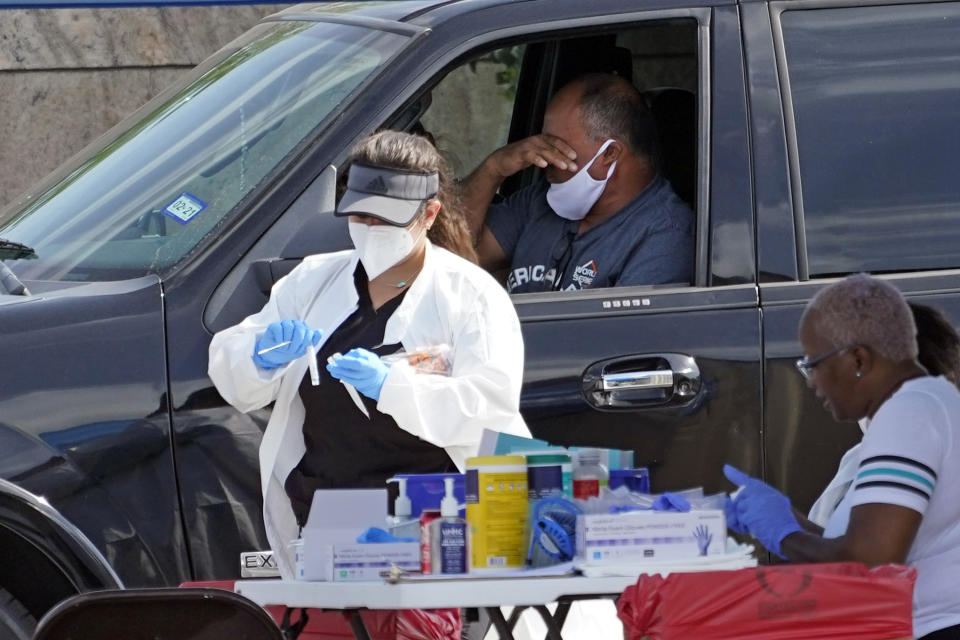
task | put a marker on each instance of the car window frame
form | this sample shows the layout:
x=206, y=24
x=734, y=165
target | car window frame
x=470, y=47
x=409, y=79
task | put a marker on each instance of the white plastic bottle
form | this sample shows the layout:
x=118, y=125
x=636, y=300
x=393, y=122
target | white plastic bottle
x=401, y=523
x=448, y=536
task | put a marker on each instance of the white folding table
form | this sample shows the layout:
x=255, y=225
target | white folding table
x=483, y=593
x=521, y=591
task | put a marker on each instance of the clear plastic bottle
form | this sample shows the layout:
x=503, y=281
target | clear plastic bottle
x=402, y=524
x=589, y=475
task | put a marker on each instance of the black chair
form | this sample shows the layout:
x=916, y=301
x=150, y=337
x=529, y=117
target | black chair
x=158, y=614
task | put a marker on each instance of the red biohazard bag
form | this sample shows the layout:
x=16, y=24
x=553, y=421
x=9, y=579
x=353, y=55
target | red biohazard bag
x=428, y=624
x=405, y=624
x=840, y=601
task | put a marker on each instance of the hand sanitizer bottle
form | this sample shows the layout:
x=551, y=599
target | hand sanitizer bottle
x=448, y=536
x=401, y=523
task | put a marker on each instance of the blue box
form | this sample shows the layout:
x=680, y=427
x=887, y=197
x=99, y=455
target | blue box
x=637, y=480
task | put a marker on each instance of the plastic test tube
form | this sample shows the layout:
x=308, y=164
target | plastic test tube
x=314, y=369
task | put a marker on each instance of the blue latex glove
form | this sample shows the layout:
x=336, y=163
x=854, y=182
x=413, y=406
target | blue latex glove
x=377, y=535
x=363, y=369
x=733, y=522
x=762, y=510
x=625, y=508
x=295, y=332
x=671, y=502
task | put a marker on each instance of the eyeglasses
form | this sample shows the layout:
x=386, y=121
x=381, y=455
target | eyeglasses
x=806, y=364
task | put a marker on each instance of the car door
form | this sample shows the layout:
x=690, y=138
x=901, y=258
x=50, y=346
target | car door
x=855, y=134
x=84, y=421
x=672, y=373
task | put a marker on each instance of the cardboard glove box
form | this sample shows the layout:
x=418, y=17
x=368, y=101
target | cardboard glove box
x=636, y=536
x=329, y=549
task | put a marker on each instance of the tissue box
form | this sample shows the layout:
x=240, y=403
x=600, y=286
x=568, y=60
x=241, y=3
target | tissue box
x=329, y=550
x=649, y=535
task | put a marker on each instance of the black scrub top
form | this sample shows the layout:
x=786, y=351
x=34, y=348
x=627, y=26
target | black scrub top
x=343, y=448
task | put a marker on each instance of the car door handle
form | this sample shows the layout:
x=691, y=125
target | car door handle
x=637, y=380
x=641, y=380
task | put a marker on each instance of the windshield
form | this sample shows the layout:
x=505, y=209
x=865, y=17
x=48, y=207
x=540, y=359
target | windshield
x=145, y=195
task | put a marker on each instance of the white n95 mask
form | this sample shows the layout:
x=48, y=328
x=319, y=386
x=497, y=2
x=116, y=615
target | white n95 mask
x=380, y=246
x=575, y=197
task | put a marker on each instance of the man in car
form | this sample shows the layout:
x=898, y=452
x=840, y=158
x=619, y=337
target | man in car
x=604, y=217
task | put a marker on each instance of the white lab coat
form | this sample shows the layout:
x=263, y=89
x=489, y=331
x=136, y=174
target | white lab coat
x=452, y=302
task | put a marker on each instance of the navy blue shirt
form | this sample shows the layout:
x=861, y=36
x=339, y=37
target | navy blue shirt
x=649, y=241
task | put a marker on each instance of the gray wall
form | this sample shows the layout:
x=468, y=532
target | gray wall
x=68, y=75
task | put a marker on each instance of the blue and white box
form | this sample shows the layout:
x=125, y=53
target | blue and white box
x=353, y=562
x=637, y=536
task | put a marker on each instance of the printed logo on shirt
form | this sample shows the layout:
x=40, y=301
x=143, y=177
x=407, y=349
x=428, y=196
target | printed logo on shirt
x=534, y=273
x=377, y=185
x=585, y=274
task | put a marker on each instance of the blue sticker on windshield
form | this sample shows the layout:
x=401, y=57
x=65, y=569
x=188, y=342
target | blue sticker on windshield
x=185, y=207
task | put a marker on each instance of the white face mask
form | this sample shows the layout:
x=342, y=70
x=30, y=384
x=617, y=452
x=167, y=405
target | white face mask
x=381, y=246
x=575, y=197
x=864, y=423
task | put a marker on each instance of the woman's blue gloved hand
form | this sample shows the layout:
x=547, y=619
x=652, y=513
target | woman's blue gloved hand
x=762, y=510
x=733, y=522
x=296, y=334
x=361, y=368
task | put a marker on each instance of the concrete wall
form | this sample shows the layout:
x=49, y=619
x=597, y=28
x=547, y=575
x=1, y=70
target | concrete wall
x=68, y=75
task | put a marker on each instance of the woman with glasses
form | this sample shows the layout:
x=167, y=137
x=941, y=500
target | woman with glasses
x=902, y=505
x=939, y=353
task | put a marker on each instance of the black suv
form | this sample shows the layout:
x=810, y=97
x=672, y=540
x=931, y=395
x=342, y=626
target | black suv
x=813, y=139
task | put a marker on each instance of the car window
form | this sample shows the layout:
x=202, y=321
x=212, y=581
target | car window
x=875, y=92
x=470, y=108
x=172, y=174
x=471, y=115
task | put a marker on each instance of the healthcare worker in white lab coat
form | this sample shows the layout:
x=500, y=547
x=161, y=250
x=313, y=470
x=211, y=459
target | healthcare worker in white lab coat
x=397, y=292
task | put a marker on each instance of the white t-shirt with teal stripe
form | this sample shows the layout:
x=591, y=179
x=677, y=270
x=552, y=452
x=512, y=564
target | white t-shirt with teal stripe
x=910, y=456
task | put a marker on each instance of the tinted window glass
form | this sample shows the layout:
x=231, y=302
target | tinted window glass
x=149, y=192
x=876, y=92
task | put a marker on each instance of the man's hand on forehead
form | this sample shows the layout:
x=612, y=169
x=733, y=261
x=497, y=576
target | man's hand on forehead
x=542, y=150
